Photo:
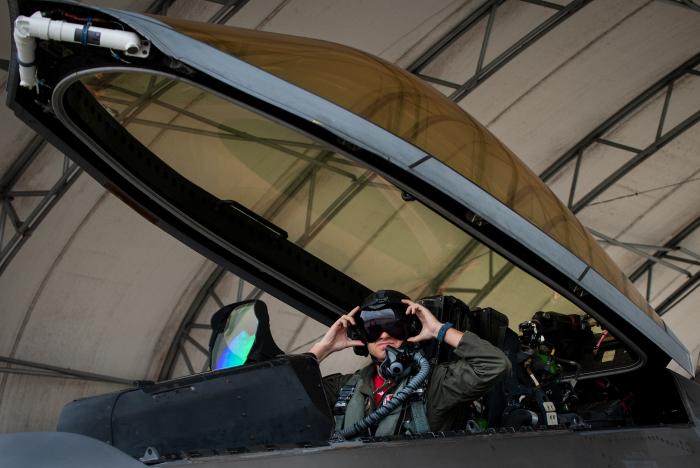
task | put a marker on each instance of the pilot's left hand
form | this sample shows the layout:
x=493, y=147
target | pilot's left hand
x=431, y=325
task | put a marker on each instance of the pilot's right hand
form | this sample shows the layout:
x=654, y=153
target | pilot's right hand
x=336, y=338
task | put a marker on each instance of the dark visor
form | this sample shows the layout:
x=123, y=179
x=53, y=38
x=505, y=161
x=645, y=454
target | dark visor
x=390, y=319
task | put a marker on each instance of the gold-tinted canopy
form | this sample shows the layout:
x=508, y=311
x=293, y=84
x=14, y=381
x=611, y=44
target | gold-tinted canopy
x=333, y=207
x=407, y=107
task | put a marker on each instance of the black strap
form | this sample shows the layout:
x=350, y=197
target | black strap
x=344, y=396
x=84, y=33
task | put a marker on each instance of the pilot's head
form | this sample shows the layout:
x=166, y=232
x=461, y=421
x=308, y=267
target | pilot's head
x=383, y=322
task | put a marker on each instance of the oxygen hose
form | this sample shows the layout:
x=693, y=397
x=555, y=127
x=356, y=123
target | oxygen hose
x=399, y=398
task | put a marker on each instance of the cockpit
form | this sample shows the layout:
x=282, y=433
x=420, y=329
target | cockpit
x=355, y=229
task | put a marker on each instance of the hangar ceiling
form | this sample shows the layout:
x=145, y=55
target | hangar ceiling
x=601, y=98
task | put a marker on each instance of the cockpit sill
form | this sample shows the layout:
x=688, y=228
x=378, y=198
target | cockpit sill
x=266, y=452
x=539, y=440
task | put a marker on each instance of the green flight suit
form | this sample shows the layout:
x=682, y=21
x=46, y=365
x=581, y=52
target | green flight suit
x=474, y=370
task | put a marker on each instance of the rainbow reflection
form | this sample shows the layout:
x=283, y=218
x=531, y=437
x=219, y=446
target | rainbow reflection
x=236, y=352
x=233, y=345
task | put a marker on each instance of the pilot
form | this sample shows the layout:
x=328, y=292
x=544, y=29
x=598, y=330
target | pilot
x=451, y=386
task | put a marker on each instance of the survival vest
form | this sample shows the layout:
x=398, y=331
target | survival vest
x=350, y=406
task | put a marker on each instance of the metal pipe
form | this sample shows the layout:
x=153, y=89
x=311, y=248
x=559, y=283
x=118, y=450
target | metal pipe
x=68, y=372
x=671, y=243
x=641, y=253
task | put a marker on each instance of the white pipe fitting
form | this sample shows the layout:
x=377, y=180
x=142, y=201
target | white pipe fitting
x=28, y=29
x=26, y=47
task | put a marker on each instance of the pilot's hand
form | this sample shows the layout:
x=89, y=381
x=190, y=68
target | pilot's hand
x=336, y=338
x=431, y=325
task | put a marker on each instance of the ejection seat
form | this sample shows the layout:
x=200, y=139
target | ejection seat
x=490, y=325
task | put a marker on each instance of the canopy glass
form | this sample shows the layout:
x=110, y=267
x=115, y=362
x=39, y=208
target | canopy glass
x=341, y=212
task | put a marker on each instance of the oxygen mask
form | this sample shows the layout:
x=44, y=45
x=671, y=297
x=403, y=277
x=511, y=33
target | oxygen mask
x=398, y=363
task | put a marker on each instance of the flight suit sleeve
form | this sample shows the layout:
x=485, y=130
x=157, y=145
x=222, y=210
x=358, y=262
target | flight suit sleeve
x=478, y=367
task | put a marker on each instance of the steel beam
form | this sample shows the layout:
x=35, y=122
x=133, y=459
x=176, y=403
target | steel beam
x=683, y=260
x=634, y=162
x=21, y=163
x=691, y=4
x=46, y=369
x=455, y=33
x=186, y=357
x=491, y=285
x=677, y=296
x=483, y=72
x=198, y=346
x=24, y=228
x=230, y=8
x=188, y=320
x=159, y=7
x=672, y=244
x=543, y=3
x=609, y=240
x=626, y=110
x=224, y=135
x=450, y=268
x=306, y=344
